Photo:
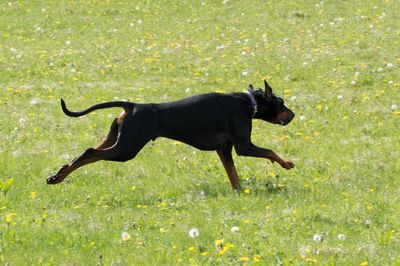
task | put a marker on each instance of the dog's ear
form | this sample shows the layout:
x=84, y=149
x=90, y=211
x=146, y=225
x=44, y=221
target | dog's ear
x=268, y=90
x=250, y=88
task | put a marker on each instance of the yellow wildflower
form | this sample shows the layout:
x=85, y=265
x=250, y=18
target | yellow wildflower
x=219, y=242
x=257, y=258
x=272, y=174
x=10, y=216
x=226, y=248
x=125, y=237
x=33, y=194
x=244, y=259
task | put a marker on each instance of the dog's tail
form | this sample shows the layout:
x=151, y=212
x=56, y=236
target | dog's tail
x=126, y=105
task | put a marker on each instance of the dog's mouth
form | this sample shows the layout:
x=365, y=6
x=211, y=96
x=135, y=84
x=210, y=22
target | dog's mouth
x=286, y=119
x=282, y=123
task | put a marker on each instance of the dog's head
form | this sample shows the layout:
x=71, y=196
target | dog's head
x=270, y=107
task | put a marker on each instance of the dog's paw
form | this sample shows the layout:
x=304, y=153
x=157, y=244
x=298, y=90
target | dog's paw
x=57, y=178
x=287, y=165
x=54, y=179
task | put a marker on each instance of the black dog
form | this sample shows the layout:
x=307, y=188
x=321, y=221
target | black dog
x=210, y=121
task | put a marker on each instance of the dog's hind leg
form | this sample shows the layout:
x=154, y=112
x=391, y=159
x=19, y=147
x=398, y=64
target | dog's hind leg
x=131, y=138
x=225, y=155
x=112, y=136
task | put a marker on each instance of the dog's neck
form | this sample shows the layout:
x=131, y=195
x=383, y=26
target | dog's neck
x=253, y=102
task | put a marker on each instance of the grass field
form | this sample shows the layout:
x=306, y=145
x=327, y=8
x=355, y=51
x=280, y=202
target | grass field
x=336, y=63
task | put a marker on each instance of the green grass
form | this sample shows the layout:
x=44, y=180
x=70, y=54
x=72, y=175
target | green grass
x=336, y=63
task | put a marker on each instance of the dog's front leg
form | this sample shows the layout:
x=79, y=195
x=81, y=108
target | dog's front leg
x=251, y=150
x=226, y=158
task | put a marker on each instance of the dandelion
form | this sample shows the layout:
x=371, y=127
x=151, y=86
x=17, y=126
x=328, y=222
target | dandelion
x=339, y=97
x=33, y=194
x=393, y=107
x=341, y=237
x=125, y=237
x=305, y=251
x=192, y=248
x=194, y=232
x=235, y=229
x=246, y=190
x=219, y=242
x=318, y=238
x=272, y=174
x=257, y=258
x=244, y=259
x=225, y=248
x=353, y=83
x=245, y=73
x=9, y=218
x=389, y=65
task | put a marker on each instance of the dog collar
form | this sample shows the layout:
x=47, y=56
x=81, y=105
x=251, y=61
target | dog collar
x=253, y=101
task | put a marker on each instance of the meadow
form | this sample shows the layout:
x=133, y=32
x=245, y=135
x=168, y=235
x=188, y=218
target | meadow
x=336, y=64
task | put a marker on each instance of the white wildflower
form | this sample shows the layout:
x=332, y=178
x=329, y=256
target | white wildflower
x=235, y=229
x=125, y=236
x=341, y=237
x=318, y=237
x=194, y=232
x=35, y=101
